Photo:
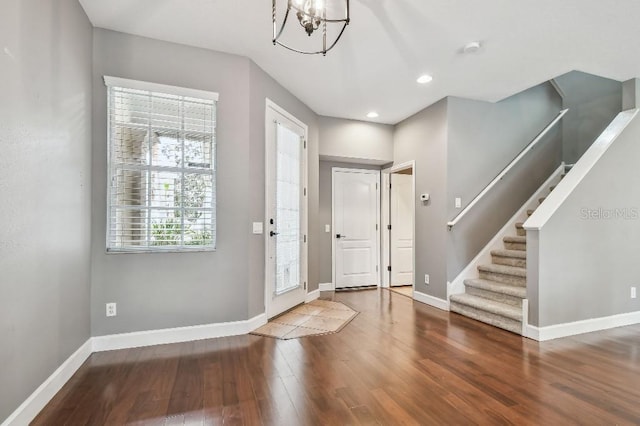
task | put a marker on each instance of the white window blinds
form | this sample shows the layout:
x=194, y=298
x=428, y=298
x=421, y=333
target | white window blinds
x=161, y=168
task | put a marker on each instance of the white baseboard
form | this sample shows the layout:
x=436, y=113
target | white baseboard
x=327, y=287
x=176, y=335
x=484, y=256
x=557, y=331
x=431, y=300
x=525, y=317
x=30, y=408
x=312, y=295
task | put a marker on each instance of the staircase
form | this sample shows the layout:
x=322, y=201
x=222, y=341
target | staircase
x=495, y=297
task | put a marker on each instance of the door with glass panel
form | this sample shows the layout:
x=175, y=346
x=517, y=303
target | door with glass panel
x=286, y=218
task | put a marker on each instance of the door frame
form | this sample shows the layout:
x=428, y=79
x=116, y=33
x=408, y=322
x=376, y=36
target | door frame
x=272, y=107
x=386, y=208
x=333, y=222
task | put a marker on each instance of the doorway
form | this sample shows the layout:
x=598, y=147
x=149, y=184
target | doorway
x=356, y=219
x=286, y=211
x=399, y=242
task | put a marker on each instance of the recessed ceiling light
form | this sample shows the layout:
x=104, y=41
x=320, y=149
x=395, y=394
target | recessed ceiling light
x=472, y=47
x=373, y=114
x=424, y=79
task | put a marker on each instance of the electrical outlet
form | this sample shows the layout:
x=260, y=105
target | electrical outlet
x=458, y=203
x=426, y=278
x=633, y=293
x=111, y=310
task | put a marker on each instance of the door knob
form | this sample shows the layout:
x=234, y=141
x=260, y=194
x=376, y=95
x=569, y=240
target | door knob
x=341, y=236
x=272, y=233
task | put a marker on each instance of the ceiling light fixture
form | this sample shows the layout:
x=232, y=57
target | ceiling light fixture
x=424, y=79
x=373, y=114
x=312, y=16
x=472, y=47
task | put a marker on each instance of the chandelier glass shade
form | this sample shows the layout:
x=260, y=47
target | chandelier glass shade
x=312, y=16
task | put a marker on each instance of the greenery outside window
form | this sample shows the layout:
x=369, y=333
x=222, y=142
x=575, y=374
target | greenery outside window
x=162, y=186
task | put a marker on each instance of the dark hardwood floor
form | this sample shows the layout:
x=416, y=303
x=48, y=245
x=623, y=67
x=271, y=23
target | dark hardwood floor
x=397, y=362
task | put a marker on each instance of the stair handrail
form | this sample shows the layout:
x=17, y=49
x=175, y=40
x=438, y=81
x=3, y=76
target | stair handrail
x=506, y=170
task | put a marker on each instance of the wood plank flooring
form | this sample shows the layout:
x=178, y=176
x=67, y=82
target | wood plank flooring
x=398, y=362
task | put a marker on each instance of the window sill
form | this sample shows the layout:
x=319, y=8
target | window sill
x=159, y=251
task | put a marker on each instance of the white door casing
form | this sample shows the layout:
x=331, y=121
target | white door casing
x=356, y=218
x=401, y=229
x=286, y=211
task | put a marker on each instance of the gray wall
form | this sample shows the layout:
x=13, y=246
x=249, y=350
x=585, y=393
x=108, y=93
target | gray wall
x=593, y=103
x=483, y=138
x=45, y=133
x=630, y=94
x=325, y=239
x=587, y=265
x=423, y=138
x=355, y=141
x=163, y=290
x=263, y=86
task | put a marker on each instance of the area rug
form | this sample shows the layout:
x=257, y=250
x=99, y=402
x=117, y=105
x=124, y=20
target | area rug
x=311, y=319
x=405, y=290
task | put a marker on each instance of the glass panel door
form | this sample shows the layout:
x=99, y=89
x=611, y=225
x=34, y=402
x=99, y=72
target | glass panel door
x=288, y=209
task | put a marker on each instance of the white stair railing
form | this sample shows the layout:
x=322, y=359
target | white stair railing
x=507, y=169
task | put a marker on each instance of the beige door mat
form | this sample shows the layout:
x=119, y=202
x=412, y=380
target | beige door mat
x=405, y=290
x=311, y=319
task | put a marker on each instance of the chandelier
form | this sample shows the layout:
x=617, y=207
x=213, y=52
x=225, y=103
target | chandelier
x=312, y=16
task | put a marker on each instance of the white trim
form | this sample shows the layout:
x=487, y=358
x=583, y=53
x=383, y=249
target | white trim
x=326, y=287
x=557, y=331
x=484, y=256
x=333, y=222
x=271, y=108
x=161, y=88
x=386, y=207
x=525, y=316
x=431, y=300
x=176, y=335
x=275, y=107
x=30, y=408
x=385, y=221
x=312, y=295
x=356, y=160
x=578, y=172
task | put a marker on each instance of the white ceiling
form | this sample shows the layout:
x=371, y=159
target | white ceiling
x=391, y=42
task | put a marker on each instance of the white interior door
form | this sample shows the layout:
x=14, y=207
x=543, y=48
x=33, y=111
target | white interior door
x=356, y=215
x=401, y=229
x=286, y=263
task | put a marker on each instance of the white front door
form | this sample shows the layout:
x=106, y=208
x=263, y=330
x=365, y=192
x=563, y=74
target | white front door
x=401, y=229
x=356, y=215
x=286, y=218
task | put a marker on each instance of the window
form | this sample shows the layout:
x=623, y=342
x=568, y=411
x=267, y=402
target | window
x=162, y=187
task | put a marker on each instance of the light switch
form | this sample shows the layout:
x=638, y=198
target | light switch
x=327, y=228
x=458, y=203
x=257, y=228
